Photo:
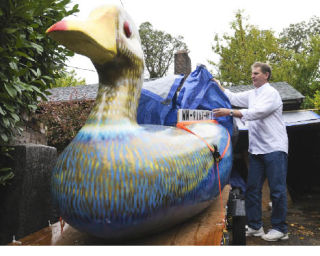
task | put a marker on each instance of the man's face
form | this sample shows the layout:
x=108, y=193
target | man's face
x=258, y=78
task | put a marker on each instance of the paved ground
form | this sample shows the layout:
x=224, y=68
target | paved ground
x=303, y=222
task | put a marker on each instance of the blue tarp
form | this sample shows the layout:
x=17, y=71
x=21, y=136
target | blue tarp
x=155, y=105
x=159, y=103
x=197, y=92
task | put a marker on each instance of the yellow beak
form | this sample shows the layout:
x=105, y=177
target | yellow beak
x=94, y=38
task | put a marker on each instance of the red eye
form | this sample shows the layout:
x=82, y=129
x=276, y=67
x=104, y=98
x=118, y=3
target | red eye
x=127, y=29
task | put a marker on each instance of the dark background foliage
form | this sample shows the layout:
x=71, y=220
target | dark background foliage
x=63, y=120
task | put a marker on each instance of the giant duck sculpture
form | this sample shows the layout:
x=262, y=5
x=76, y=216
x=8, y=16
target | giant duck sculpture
x=118, y=179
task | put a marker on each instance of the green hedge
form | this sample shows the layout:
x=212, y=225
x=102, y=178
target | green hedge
x=63, y=120
x=30, y=61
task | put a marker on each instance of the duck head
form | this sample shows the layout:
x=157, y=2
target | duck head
x=111, y=40
x=108, y=36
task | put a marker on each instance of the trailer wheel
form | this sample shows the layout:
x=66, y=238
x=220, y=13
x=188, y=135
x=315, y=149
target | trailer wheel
x=225, y=240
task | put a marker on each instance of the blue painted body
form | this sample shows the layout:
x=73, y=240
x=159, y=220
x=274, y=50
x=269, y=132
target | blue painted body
x=140, y=180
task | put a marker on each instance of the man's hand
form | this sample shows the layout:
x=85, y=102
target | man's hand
x=218, y=83
x=218, y=112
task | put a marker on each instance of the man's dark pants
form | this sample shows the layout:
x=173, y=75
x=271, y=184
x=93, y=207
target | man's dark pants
x=273, y=166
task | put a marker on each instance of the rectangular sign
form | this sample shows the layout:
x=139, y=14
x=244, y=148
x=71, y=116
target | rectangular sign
x=194, y=115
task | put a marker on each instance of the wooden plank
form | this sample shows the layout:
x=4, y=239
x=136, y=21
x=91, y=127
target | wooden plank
x=204, y=229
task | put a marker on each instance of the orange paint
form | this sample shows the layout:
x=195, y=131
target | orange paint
x=59, y=26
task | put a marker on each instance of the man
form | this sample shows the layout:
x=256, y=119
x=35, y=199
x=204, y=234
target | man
x=268, y=149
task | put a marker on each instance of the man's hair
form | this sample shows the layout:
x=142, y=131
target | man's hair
x=264, y=68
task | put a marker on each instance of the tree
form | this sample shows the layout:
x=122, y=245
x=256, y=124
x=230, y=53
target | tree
x=238, y=52
x=68, y=78
x=296, y=37
x=159, y=48
x=301, y=69
x=29, y=59
x=302, y=40
x=294, y=55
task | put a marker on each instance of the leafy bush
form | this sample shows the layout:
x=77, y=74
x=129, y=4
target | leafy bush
x=5, y=172
x=316, y=100
x=63, y=120
x=68, y=79
x=29, y=59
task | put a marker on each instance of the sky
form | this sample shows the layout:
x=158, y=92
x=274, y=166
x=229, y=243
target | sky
x=198, y=21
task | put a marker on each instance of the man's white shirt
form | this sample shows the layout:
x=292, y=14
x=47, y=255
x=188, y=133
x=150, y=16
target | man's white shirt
x=263, y=112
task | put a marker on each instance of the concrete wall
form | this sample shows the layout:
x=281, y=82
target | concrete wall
x=30, y=135
x=26, y=203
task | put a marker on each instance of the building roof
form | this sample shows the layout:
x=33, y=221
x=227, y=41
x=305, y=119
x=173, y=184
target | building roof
x=287, y=92
x=80, y=92
x=296, y=118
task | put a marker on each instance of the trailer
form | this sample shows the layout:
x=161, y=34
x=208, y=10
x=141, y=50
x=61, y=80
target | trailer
x=207, y=228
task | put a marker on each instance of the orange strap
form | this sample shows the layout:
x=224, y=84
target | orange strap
x=61, y=224
x=221, y=203
x=182, y=125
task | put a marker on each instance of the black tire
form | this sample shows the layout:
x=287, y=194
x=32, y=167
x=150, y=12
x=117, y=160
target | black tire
x=239, y=230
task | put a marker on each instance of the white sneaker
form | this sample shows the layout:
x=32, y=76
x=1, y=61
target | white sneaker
x=254, y=232
x=275, y=235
